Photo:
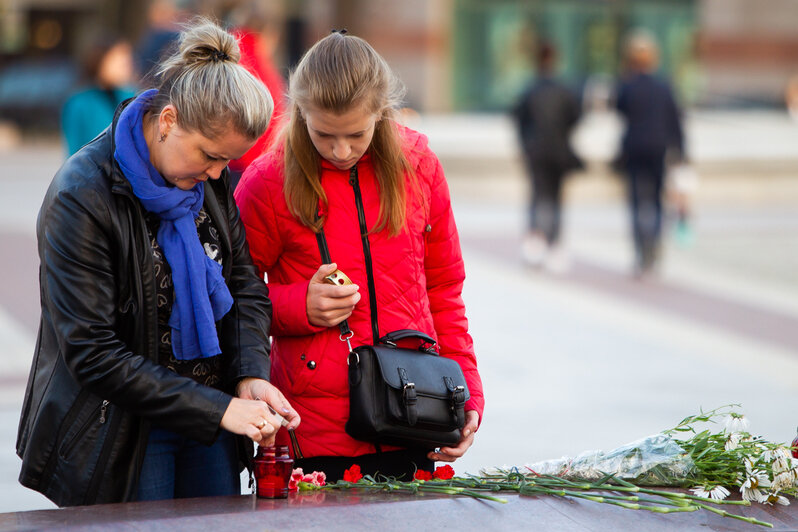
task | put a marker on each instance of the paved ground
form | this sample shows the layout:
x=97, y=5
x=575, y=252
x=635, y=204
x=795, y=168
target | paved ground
x=586, y=360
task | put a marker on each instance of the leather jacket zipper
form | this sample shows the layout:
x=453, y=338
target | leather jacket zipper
x=105, y=453
x=364, y=238
x=93, y=417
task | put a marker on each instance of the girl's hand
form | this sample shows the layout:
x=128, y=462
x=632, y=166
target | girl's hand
x=450, y=454
x=328, y=305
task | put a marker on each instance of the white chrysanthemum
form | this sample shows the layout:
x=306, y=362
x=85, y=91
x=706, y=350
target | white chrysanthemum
x=779, y=458
x=775, y=498
x=754, y=481
x=736, y=422
x=711, y=492
x=733, y=441
x=770, y=455
x=783, y=481
x=781, y=464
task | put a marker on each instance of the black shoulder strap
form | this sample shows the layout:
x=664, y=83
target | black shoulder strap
x=324, y=251
x=325, y=257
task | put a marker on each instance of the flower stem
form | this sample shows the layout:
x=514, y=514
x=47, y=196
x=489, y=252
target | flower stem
x=724, y=513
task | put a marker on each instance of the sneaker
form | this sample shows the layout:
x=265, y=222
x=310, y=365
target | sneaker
x=534, y=250
x=558, y=261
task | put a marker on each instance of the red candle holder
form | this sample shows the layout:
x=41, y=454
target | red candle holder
x=273, y=468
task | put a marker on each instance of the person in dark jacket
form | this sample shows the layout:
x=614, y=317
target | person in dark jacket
x=653, y=125
x=153, y=348
x=546, y=114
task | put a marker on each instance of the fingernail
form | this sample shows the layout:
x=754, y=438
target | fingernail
x=285, y=410
x=467, y=432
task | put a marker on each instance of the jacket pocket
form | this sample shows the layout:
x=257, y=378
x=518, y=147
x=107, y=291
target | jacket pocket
x=87, y=425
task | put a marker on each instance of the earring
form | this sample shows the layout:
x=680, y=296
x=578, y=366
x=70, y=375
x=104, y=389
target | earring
x=162, y=138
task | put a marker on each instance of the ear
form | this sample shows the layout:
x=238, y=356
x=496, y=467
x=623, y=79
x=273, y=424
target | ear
x=167, y=119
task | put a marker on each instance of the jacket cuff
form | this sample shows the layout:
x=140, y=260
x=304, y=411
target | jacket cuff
x=290, y=315
x=478, y=404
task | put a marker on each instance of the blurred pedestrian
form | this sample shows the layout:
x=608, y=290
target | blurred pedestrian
x=346, y=170
x=546, y=114
x=160, y=36
x=257, y=28
x=108, y=75
x=153, y=346
x=791, y=96
x=653, y=125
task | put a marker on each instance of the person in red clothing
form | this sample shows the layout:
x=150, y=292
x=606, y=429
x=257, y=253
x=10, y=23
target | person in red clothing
x=257, y=32
x=343, y=157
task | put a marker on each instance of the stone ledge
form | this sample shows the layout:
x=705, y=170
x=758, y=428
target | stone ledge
x=360, y=510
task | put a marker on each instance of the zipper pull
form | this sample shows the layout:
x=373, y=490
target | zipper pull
x=353, y=175
x=103, y=410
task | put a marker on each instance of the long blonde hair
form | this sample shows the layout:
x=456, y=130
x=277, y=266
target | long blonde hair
x=208, y=87
x=339, y=73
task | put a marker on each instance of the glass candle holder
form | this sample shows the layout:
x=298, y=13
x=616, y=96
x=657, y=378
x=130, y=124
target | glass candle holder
x=273, y=469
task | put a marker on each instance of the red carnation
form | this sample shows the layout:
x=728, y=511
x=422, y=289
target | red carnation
x=422, y=475
x=296, y=476
x=444, y=472
x=353, y=474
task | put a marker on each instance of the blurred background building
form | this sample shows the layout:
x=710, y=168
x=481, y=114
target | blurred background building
x=454, y=55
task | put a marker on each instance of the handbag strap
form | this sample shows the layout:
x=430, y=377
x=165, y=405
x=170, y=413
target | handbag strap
x=324, y=251
x=325, y=259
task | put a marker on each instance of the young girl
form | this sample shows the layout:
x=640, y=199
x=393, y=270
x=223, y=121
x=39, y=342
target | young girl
x=343, y=164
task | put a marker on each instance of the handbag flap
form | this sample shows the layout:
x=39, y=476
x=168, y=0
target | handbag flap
x=426, y=371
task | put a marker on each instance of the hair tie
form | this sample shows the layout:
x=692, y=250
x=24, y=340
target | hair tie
x=341, y=31
x=218, y=55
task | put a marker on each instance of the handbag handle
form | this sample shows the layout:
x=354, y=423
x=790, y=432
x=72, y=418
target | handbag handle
x=427, y=345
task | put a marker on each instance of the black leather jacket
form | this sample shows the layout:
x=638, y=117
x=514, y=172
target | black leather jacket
x=95, y=384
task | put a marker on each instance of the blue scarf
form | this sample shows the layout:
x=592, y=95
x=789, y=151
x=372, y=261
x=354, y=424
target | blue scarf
x=201, y=295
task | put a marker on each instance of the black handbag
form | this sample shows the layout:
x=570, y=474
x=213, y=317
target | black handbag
x=405, y=397
x=399, y=396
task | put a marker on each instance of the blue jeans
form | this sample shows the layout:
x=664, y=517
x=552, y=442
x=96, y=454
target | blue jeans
x=177, y=467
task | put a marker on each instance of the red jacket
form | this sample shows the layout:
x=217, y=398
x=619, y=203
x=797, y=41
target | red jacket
x=418, y=277
x=262, y=67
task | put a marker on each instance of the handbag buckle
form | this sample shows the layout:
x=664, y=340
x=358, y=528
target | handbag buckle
x=410, y=399
x=346, y=338
x=349, y=358
x=409, y=392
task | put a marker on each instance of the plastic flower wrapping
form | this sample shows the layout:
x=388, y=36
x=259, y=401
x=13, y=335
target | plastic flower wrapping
x=657, y=460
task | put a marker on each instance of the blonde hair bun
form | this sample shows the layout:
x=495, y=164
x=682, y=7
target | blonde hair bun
x=208, y=87
x=206, y=42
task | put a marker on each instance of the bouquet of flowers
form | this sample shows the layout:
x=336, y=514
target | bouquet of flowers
x=713, y=463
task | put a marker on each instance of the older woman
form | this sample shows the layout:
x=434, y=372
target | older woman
x=153, y=348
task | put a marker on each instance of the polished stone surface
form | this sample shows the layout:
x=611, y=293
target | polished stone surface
x=360, y=510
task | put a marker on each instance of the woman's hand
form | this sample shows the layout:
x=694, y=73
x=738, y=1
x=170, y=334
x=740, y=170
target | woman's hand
x=261, y=390
x=249, y=413
x=328, y=305
x=450, y=454
x=251, y=419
